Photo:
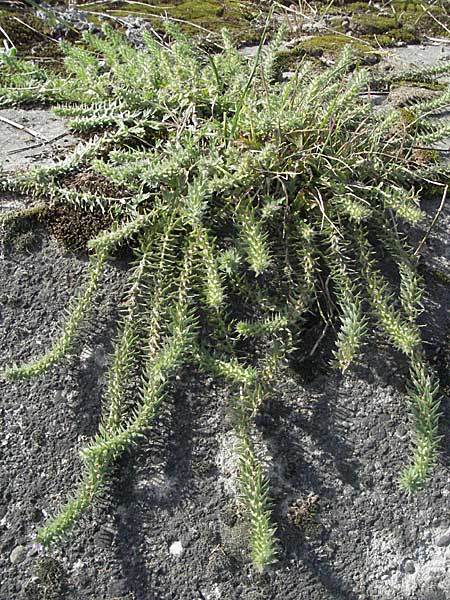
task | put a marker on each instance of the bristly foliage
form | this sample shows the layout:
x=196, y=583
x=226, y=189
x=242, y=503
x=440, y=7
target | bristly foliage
x=242, y=194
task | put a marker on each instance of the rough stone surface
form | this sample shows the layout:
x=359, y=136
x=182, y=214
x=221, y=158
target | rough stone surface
x=419, y=57
x=21, y=150
x=409, y=567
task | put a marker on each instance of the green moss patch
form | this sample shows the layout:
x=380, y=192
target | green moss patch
x=72, y=228
x=288, y=60
x=332, y=45
x=376, y=24
x=30, y=35
x=17, y=228
x=193, y=15
x=406, y=21
x=24, y=29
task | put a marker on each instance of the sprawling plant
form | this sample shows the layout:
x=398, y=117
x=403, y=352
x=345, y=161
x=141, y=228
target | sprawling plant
x=243, y=198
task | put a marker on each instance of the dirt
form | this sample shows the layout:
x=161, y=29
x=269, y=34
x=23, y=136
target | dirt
x=167, y=526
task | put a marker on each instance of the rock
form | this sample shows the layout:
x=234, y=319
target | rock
x=443, y=540
x=409, y=566
x=43, y=120
x=18, y=555
x=314, y=27
x=176, y=549
x=407, y=94
x=379, y=434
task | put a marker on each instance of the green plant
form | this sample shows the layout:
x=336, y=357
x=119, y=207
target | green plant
x=242, y=193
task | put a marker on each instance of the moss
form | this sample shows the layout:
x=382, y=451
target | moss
x=408, y=5
x=375, y=24
x=417, y=7
x=375, y=29
x=25, y=241
x=332, y=44
x=25, y=215
x=387, y=40
x=422, y=18
x=51, y=579
x=422, y=157
x=386, y=31
x=212, y=15
x=18, y=230
x=215, y=15
x=383, y=41
x=406, y=116
x=302, y=512
x=30, y=35
x=94, y=183
x=353, y=7
x=287, y=60
x=198, y=10
x=405, y=35
x=400, y=21
x=24, y=29
x=74, y=228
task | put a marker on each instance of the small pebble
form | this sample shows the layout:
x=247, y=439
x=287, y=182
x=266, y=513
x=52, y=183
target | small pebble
x=36, y=515
x=409, y=567
x=176, y=549
x=443, y=540
x=18, y=555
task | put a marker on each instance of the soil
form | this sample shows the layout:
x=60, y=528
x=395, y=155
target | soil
x=167, y=527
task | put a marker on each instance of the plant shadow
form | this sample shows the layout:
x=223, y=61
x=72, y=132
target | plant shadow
x=153, y=479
